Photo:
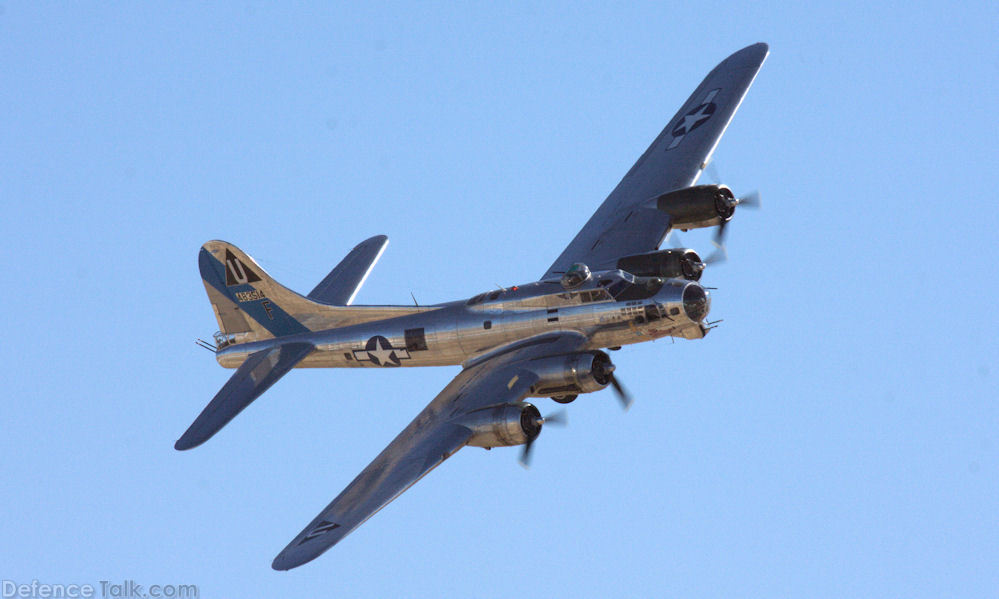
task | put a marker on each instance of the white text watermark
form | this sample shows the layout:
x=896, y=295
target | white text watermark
x=126, y=589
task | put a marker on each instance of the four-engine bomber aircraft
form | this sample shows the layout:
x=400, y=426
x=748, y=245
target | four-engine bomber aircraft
x=610, y=287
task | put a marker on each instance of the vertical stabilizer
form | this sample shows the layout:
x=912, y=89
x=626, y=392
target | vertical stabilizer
x=248, y=303
x=250, y=306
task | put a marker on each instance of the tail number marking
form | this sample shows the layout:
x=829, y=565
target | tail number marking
x=250, y=296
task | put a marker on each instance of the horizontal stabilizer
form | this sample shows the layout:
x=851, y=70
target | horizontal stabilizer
x=341, y=285
x=260, y=370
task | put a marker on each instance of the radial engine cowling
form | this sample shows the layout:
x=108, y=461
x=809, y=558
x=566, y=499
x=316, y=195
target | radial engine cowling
x=698, y=206
x=503, y=425
x=669, y=264
x=571, y=374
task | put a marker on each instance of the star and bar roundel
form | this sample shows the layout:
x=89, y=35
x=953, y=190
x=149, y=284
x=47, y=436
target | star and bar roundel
x=379, y=351
x=694, y=118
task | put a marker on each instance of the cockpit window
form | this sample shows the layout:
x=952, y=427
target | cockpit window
x=597, y=295
x=489, y=295
x=617, y=287
x=636, y=289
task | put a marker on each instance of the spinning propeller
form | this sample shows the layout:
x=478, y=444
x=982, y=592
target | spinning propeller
x=621, y=393
x=603, y=371
x=750, y=200
x=561, y=418
x=558, y=419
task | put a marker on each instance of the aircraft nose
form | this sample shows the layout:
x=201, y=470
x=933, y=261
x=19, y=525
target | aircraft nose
x=696, y=302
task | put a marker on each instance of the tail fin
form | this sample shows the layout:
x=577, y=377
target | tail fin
x=251, y=306
x=248, y=303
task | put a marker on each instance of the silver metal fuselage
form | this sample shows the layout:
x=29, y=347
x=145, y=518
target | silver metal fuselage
x=456, y=332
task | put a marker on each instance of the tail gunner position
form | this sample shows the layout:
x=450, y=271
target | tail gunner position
x=611, y=286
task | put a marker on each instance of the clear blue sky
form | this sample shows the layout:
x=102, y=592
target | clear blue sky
x=838, y=436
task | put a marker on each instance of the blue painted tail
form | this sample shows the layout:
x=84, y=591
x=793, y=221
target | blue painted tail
x=247, y=302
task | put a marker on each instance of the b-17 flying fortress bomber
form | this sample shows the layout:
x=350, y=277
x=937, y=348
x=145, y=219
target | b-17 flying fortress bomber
x=611, y=286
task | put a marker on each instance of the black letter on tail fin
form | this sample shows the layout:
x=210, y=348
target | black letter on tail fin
x=237, y=273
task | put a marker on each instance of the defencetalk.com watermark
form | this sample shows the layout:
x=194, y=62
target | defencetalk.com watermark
x=127, y=589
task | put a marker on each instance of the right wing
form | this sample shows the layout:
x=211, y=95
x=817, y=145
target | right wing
x=625, y=224
x=431, y=438
x=341, y=285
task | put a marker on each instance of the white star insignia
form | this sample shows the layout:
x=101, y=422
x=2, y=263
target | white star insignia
x=694, y=118
x=382, y=354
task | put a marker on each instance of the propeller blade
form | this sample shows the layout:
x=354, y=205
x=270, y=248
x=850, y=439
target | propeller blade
x=721, y=252
x=718, y=256
x=622, y=394
x=525, y=454
x=750, y=200
x=712, y=172
x=560, y=418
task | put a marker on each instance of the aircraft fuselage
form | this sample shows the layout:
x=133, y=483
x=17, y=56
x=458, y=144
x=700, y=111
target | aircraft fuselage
x=609, y=309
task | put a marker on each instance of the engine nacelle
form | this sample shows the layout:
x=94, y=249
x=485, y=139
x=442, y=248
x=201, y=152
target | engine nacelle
x=503, y=425
x=698, y=206
x=669, y=264
x=571, y=374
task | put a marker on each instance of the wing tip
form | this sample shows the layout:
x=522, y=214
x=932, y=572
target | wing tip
x=763, y=48
x=188, y=441
x=754, y=54
x=288, y=560
x=280, y=565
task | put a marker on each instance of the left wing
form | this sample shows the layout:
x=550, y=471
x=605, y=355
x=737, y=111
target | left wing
x=435, y=435
x=626, y=223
